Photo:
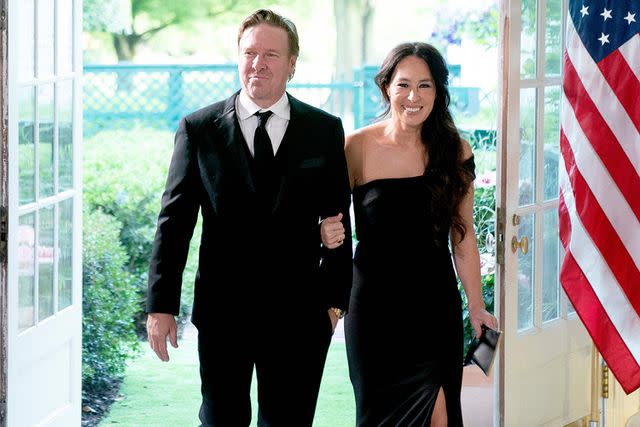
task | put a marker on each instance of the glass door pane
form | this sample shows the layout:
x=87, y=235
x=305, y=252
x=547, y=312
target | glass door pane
x=45, y=46
x=64, y=105
x=26, y=145
x=551, y=142
x=26, y=271
x=65, y=256
x=45, y=263
x=553, y=38
x=45, y=140
x=528, y=48
x=65, y=38
x=526, y=275
x=550, y=284
x=527, y=169
x=26, y=40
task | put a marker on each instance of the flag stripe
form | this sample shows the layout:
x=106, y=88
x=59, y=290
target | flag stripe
x=614, y=302
x=598, y=135
x=631, y=52
x=606, y=102
x=605, y=189
x=599, y=179
x=624, y=84
x=604, y=334
x=600, y=230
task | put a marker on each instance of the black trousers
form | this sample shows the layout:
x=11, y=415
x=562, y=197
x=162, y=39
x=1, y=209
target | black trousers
x=288, y=354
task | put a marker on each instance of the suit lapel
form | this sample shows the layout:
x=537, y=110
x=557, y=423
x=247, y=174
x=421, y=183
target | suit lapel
x=237, y=148
x=287, y=152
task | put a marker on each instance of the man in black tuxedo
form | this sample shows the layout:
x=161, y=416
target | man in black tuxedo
x=267, y=294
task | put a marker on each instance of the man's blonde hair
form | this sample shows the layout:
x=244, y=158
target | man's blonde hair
x=266, y=16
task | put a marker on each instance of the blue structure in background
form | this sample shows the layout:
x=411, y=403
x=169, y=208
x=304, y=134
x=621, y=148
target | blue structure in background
x=126, y=96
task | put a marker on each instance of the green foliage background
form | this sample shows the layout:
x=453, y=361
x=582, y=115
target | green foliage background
x=124, y=175
x=108, y=303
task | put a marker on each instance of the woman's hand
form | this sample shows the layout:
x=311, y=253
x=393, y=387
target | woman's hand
x=481, y=316
x=332, y=231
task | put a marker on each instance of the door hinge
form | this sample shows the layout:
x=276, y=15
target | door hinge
x=500, y=230
x=4, y=233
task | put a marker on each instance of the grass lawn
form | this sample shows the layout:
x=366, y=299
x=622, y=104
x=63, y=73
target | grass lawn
x=168, y=394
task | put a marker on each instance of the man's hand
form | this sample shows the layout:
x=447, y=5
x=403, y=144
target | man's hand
x=332, y=231
x=159, y=326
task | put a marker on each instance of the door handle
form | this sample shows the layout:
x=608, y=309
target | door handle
x=523, y=244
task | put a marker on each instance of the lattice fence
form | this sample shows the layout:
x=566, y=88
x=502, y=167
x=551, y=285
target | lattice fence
x=157, y=96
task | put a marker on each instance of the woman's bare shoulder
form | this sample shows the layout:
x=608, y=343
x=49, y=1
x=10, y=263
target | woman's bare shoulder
x=361, y=136
x=358, y=144
x=467, y=152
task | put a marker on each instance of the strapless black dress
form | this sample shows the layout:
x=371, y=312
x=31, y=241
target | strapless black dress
x=404, y=327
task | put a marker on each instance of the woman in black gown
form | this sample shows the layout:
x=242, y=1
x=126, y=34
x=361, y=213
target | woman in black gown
x=412, y=180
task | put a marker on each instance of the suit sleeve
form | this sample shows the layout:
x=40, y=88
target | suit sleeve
x=176, y=222
x=336, y=269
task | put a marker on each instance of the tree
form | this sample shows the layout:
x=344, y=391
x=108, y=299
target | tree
x=106, y=15
x=133, y=22
x=353, y=24
x=477, y=24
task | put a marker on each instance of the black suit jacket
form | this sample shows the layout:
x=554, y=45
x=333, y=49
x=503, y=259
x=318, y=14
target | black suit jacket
x=252, y=257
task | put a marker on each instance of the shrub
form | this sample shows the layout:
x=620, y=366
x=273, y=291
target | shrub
x=108, y=304
x=124, y=176
x=484, y=210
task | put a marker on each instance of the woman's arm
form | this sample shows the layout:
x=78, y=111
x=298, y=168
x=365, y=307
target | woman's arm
x=467, y=261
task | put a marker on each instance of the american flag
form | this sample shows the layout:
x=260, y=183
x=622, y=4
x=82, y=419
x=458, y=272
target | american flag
x=599, y=206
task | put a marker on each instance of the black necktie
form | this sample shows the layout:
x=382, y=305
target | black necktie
x=262, y=148
x=264, y=160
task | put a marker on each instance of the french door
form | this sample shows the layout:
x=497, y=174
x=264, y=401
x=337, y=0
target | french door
x=44, y=283
x=545, y=363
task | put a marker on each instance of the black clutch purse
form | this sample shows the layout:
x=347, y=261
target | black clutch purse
x=482, y=351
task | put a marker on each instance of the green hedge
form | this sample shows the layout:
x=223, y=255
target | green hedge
x=124, y=176
x=108, y=303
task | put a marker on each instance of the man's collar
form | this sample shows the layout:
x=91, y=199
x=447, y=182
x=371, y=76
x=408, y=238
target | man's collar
x=246, y=107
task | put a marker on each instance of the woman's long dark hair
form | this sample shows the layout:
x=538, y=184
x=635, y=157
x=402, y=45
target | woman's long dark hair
x=449, y=181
